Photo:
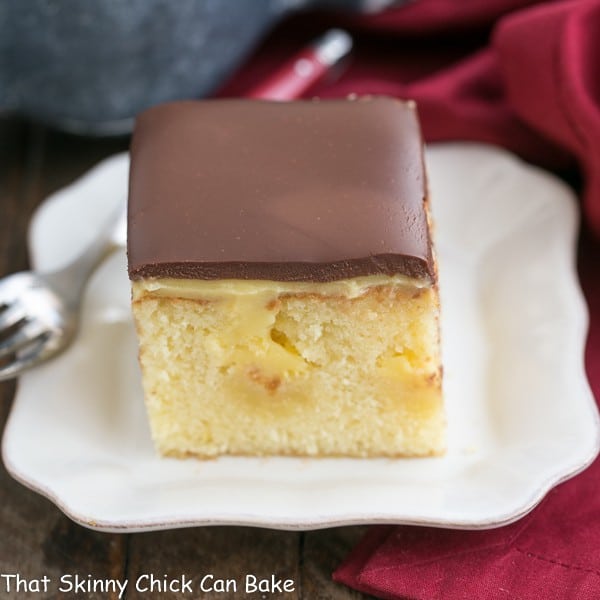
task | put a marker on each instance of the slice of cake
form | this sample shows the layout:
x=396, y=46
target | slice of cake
x=284, y=287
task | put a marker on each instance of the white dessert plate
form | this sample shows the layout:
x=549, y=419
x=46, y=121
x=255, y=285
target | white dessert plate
x=520, y=412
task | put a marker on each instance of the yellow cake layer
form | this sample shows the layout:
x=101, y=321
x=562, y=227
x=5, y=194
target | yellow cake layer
x=347, y=368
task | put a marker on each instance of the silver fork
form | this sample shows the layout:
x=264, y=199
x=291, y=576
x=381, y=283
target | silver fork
x=39, y=312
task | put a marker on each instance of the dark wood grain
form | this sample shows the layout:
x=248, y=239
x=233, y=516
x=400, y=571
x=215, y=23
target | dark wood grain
x=36, y=539
x=225, y=553
x=322, y=552
x=13, y=216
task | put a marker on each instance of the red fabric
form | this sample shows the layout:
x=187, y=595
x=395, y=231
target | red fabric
x=523, y=74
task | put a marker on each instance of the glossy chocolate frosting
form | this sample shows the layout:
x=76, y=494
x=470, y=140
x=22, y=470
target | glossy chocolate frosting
x=315, y=190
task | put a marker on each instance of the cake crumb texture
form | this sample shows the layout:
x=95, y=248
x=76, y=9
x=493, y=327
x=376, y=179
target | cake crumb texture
x=293, y=373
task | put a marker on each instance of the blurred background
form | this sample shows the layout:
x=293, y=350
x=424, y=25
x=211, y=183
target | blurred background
x=89, y=67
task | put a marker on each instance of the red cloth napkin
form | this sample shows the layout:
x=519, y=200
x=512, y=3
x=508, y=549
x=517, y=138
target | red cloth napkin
x=525, y=75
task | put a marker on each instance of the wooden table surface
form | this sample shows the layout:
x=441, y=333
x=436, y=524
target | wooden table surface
x=36, y=539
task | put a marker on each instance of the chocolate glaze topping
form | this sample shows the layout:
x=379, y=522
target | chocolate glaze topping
x=285, y=191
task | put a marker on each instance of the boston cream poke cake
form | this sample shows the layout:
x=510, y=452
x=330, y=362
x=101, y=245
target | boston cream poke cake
x=284, y=285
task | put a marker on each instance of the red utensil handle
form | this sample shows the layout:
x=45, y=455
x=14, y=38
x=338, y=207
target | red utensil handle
x=305, y=69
